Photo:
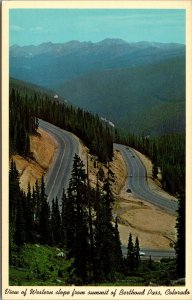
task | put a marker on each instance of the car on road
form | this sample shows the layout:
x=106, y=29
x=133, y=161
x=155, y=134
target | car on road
x=141, y=253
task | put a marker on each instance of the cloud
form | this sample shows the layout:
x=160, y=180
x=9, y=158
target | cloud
x=36, y=29
x=141, y=17
x=16, y=28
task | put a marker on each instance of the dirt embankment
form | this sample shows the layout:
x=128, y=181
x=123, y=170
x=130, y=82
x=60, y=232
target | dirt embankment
x=154, y=227
x=117, y=166
x=43, y=147
x=155, y=185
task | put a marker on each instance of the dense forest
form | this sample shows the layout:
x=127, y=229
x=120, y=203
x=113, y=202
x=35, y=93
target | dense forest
x=22, y=122
x=25, y=109
x=83, y=229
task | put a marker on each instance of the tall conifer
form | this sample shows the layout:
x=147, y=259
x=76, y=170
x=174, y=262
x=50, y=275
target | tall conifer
x=77, y=201
x=180, y=247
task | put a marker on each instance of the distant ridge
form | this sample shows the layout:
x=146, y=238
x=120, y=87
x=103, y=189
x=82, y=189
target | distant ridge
x=121, y=81
x=148, y=99
x=50, y=64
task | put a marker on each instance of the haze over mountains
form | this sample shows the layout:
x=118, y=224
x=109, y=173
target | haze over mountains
x=138, y=86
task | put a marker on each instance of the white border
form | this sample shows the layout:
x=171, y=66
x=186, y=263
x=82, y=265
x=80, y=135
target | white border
x=180, y=4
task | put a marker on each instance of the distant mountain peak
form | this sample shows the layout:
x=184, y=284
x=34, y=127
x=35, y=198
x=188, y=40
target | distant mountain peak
x=15, y=46
x=47, y=44
x=73, y=42
x=109, y=41
x=50, y=64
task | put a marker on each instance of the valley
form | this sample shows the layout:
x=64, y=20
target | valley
x=140, y=87
x=100, y=156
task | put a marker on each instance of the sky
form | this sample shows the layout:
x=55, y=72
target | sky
x=36, y=26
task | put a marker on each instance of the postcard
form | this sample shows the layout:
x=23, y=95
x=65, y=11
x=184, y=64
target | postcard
x=96, y=149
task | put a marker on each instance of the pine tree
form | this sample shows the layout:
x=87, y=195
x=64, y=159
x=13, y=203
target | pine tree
x=44, y=221
x=91, y=257
x=118, y=256
x=77, y=227
x=105, y=234
x=137, y=251
x=180, y=243
x=155, y=171
x=14, y=200
x=37, y=203
x=20, y=222
x=29, y=212
x=14, y=192
x=130, y=253
x=56, y=222
x=64, y=220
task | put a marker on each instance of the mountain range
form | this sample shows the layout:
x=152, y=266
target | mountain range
x=127, y=83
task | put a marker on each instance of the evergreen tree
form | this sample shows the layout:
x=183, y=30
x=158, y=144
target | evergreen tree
x=154, y=171
x=90, y=201
x=22, y=123
x=14, y=192
x=56, y=222
x=130, y=253
x=14, y=200
x=37, y=203
x=118, y=251
x=45, y=229
x=181, y=238
x=29, y=213
x=77, y=228
x=137, y=251
x=105, y=234
x=20, y=229
x=64, y=220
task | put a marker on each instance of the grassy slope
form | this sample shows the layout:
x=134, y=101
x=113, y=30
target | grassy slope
x=38, y=265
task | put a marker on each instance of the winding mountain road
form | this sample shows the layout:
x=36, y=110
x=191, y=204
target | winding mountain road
x=59, y=173
x=137, y=180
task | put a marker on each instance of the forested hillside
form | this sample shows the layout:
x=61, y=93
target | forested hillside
x=26, y=107
x=30, y=89
x=140, y=99
x=123, y=82
x=49, y=64
x=22, y=122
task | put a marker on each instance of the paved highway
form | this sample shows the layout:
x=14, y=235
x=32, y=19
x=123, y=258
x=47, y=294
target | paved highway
x=59, y=173
x=137, y=181
x=154, y=253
